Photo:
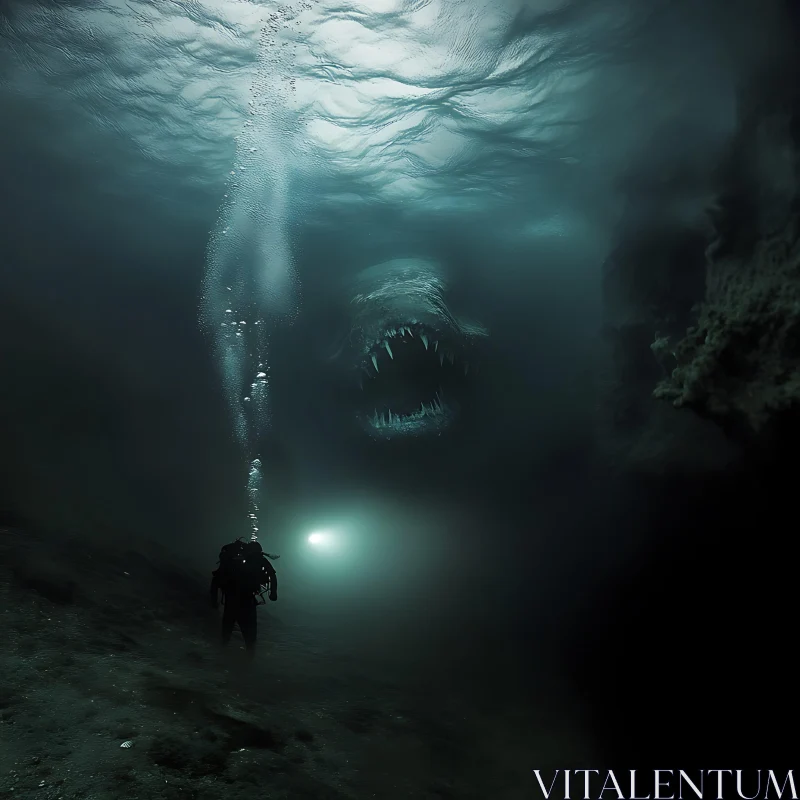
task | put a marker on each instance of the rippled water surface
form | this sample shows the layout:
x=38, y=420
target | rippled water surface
x=430, y=107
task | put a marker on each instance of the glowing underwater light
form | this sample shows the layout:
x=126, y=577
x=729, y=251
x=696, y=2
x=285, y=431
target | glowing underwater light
x=319, y=538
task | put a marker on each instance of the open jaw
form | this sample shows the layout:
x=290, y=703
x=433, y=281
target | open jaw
x=410, y=381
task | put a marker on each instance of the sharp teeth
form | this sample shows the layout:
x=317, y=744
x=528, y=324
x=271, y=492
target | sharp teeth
x=360, y=383
x=424, y=340
x=436, y=347
x=375, y=362
x=388, y=350
x=441, y=358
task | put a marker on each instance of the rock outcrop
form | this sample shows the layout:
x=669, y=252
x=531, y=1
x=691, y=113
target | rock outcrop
x=739, y=364
x=709, y=319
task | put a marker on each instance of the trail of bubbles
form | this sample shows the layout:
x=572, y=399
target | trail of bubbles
x=250, y=282
x=255, y=482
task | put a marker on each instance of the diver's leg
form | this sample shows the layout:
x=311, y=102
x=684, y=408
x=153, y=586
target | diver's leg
x=248, y=624
x=228, y=619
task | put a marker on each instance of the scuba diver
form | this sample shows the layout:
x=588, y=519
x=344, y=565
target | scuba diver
x=243, y=576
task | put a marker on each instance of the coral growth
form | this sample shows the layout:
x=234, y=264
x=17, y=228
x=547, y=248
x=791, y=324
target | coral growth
x=740, y=363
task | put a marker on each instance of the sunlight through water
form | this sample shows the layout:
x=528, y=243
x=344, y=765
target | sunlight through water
x=255, y=120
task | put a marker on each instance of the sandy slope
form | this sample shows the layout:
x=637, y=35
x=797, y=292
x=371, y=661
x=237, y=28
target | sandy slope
x=93, y=657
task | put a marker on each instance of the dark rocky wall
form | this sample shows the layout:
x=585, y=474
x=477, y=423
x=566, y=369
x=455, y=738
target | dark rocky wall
x=739, y=365
x=652, y=283
x=708, y=318
x=683, y=654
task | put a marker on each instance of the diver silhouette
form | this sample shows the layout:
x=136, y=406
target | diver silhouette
x=243, y=576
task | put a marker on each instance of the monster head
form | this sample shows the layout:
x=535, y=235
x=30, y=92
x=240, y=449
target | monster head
x=410, y=356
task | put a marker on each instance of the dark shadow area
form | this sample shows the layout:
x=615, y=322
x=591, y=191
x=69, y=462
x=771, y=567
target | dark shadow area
x=683, y=655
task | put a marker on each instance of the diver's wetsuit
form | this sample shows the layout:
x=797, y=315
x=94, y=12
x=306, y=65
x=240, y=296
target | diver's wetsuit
x=240, y=604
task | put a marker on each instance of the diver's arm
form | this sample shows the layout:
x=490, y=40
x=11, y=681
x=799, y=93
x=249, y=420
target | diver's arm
x=273, y=581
